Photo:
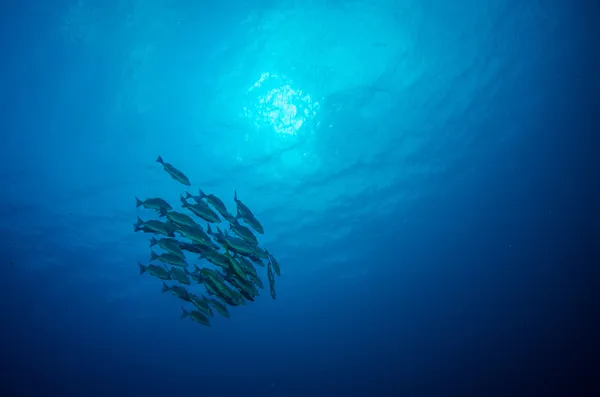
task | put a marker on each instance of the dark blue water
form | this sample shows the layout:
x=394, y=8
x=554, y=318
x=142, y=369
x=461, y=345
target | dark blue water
x=424, y=172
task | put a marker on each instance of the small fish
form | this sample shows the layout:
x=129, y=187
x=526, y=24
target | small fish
x=201, y=211
x=271, y=277
x=274, y=263
x=216, y=258
x=196, y=234
x=248, y=266
x=221, y=308
x=214, y=201
x=156, y=271
x=241, y=207
x=169, y=258
x=153, y=204
x=196, y=316
x=180, y=275
x=243, y=232
x=168, y=244
x=178, y=291
x=252, y=222
x=234, y=244
x=257, y=281
x=158, y=227
x=201, y=304
x=174, y=172
x=178, y=218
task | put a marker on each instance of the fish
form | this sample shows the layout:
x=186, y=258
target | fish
x=196, y=316
x=199, y=201
x=215, y=284
x=255, y=259
x=201, y=304
x=243, y=232
x=252, y=222
x=180, y=275
x=234, y=244
x=271, y=277
x=234, y=265
x=168, y=244
x=274, y=263
x=178, y=291
x=178, y=218
x=248, y=266
x=198, y=247
x=168, y=258
x=157, y=226
x=143, y=228
x=156, y=271
x=200, y=211
x=216, y=258
x=216, y=202
x=257, y=281
x=174, y=172
x=221, y=308
x=196, y=234
x=244, y=212
x=153, y=204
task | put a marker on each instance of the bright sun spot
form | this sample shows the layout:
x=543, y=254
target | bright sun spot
x=275, y=102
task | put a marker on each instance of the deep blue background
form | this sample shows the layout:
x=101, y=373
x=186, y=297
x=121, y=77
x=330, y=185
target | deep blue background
x=475, y=277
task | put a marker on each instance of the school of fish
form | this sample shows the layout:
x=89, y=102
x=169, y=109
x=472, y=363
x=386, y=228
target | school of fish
x=207, y=268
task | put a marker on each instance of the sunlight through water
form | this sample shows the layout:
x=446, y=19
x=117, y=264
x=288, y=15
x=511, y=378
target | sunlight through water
x=274, y=102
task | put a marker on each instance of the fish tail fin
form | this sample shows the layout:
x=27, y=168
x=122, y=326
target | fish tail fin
x=138, y=202
x=142, y=268
x=153, y=255
x=183, y=202
x=201, y=193
x=184, y=313
x=137, y=226
x=160, y=160
x=153, y=242
x=165, y=287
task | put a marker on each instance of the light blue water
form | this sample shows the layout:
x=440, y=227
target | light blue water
x=409, y=161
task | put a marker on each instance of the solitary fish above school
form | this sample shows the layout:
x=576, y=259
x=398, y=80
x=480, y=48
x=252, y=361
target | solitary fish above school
x=174, y=172
x=156, y=204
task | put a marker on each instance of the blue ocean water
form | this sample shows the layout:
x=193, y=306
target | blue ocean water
x=422, y=170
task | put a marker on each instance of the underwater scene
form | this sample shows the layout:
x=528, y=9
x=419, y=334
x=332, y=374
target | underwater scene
x=285, y=198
